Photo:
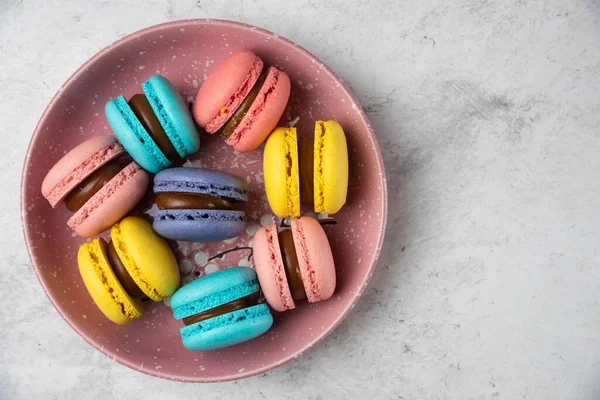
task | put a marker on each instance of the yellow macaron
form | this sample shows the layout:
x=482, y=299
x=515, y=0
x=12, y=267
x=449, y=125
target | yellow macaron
x=280, y=166
x=137, y=263
x=330, y=167
x=315, y=172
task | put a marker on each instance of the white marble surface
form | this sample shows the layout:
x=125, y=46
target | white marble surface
x=488, y=114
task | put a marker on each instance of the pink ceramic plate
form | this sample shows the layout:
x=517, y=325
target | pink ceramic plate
x=185, y=52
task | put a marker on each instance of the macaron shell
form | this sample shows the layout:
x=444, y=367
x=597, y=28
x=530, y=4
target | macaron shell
x=78, y=164
x=199, y=225
x=213, y=290
x=264, y=113
x=202, y=180
x=228, y=329
x=112, y=202
x=317, y=267
x=104, y=288
x=226, y=88
x=173, y=114
x=330, y=167
x=270, y=270
x=280, y=166
x=146, y=256
x=132, y=135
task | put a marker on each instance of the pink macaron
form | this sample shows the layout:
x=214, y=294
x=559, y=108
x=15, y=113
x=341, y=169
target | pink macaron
x=242, y=100
x=294, y=264
x=95, y=185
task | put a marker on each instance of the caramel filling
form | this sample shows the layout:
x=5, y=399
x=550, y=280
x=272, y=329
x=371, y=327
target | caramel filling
x=306, y=159
x=191, y=201
x=244, y=302
x=120, y=271
x=229, y=127
x=291, y=265
x=143, y=111
x=91, y=185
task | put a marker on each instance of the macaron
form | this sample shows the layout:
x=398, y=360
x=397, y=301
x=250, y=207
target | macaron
x=294, y=264
x=95, y=185
x=135, y=265
x=221, y=310
x=242, y=101
x=155, y=127
x=199, y=204
x=304, y=171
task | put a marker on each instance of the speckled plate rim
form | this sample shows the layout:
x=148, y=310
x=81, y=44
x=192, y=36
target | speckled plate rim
x=252, y=30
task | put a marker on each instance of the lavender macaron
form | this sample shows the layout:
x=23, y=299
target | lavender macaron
x=199, y=204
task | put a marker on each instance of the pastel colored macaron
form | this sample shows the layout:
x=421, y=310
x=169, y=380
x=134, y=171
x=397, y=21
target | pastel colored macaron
x=221, y=310
x=95, y=185
x=303, y=171
x=199, y=204
x=136, y=264
x=294, y=264
x=242, y=101
x=155, y=127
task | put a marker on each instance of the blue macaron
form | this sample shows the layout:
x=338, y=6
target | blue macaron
x=199, y=204
x=221, y=309
x=164, y=105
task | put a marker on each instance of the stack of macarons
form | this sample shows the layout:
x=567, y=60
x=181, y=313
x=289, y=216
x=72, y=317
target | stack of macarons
x=303, y=171
x=155, y=127
x=294, y=264
x=221, y=309
x=242, y=100
x=199, y=204
x=102, y=179
x=136, y=264
x=95, y=185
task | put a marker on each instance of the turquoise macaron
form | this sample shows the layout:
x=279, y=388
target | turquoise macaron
x=221, y=309
x=155, y=127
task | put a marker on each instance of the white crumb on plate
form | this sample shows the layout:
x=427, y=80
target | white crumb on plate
x=267, y=220
x=210, y=268
x=201, y=258
x=244, y=262
x=252, y=228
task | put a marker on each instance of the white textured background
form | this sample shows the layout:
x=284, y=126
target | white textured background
x=488, y=115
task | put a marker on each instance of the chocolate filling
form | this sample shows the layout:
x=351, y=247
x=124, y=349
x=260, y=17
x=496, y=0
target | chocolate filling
x=91, y=185
x=235, y=305
x=191, y=201
x=306, y=159
x=120, y=271
x=143, y=111
x=322, y=220
x=291, y=265
x=229, y=127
